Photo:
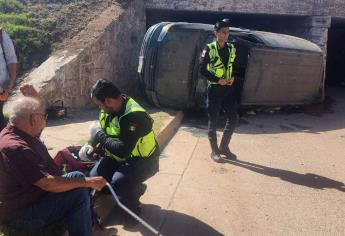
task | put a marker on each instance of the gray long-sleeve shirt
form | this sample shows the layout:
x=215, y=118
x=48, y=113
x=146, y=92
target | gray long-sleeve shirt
x=11, y=58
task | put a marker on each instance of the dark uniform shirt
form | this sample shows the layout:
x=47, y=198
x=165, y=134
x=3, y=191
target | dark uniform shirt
x=23, y=161
x=133, y=126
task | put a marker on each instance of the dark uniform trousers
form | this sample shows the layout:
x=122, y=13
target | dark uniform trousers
x=218, y=98
x=127, y=178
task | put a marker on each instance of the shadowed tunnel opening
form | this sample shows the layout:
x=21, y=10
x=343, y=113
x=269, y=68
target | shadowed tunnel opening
x=335, y=72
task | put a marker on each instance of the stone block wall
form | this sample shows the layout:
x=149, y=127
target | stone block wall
x=317, y=32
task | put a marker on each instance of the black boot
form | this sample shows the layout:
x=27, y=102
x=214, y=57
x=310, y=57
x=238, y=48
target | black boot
x=224, y=148
x=215, y=154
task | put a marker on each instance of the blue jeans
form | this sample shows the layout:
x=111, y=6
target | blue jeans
x=73, y=207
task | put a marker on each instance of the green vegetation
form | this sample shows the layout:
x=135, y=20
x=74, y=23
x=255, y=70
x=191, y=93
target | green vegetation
x=30, y=35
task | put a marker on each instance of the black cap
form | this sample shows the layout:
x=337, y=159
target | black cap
x=222, y=24
x=103, y=89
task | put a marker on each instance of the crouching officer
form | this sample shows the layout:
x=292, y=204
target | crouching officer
x=127, y=142
x=216, y=64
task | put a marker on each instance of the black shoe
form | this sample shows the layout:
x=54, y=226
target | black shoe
x=227, y=153
x=216, y=156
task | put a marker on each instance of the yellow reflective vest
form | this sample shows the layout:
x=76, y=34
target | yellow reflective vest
x=145, y=146
x=216, y=67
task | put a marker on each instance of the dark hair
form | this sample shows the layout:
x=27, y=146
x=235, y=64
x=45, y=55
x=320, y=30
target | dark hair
x=103, y=89
x=222, y=24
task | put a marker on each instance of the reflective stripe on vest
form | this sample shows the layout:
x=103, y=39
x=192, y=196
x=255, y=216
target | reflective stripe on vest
x=145, y=146
x=216, y=66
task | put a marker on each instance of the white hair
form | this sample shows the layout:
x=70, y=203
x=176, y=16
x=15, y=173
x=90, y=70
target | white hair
x=22, y=109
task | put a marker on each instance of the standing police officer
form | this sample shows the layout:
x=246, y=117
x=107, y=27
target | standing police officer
x=216, y=64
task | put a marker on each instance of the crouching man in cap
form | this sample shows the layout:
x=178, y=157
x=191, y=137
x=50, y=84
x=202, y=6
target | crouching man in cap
x=126, y=142
x=33, y=194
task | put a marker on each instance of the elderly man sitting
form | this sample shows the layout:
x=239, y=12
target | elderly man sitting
x=33, y=194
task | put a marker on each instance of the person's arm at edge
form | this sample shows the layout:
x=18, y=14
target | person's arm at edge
x=12, y=69
x=12, y=60
x=58, y=184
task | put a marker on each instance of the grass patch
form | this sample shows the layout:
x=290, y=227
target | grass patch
x=17, y=19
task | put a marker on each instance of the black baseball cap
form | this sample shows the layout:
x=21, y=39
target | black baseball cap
x=222, y=24
x=103, y=89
